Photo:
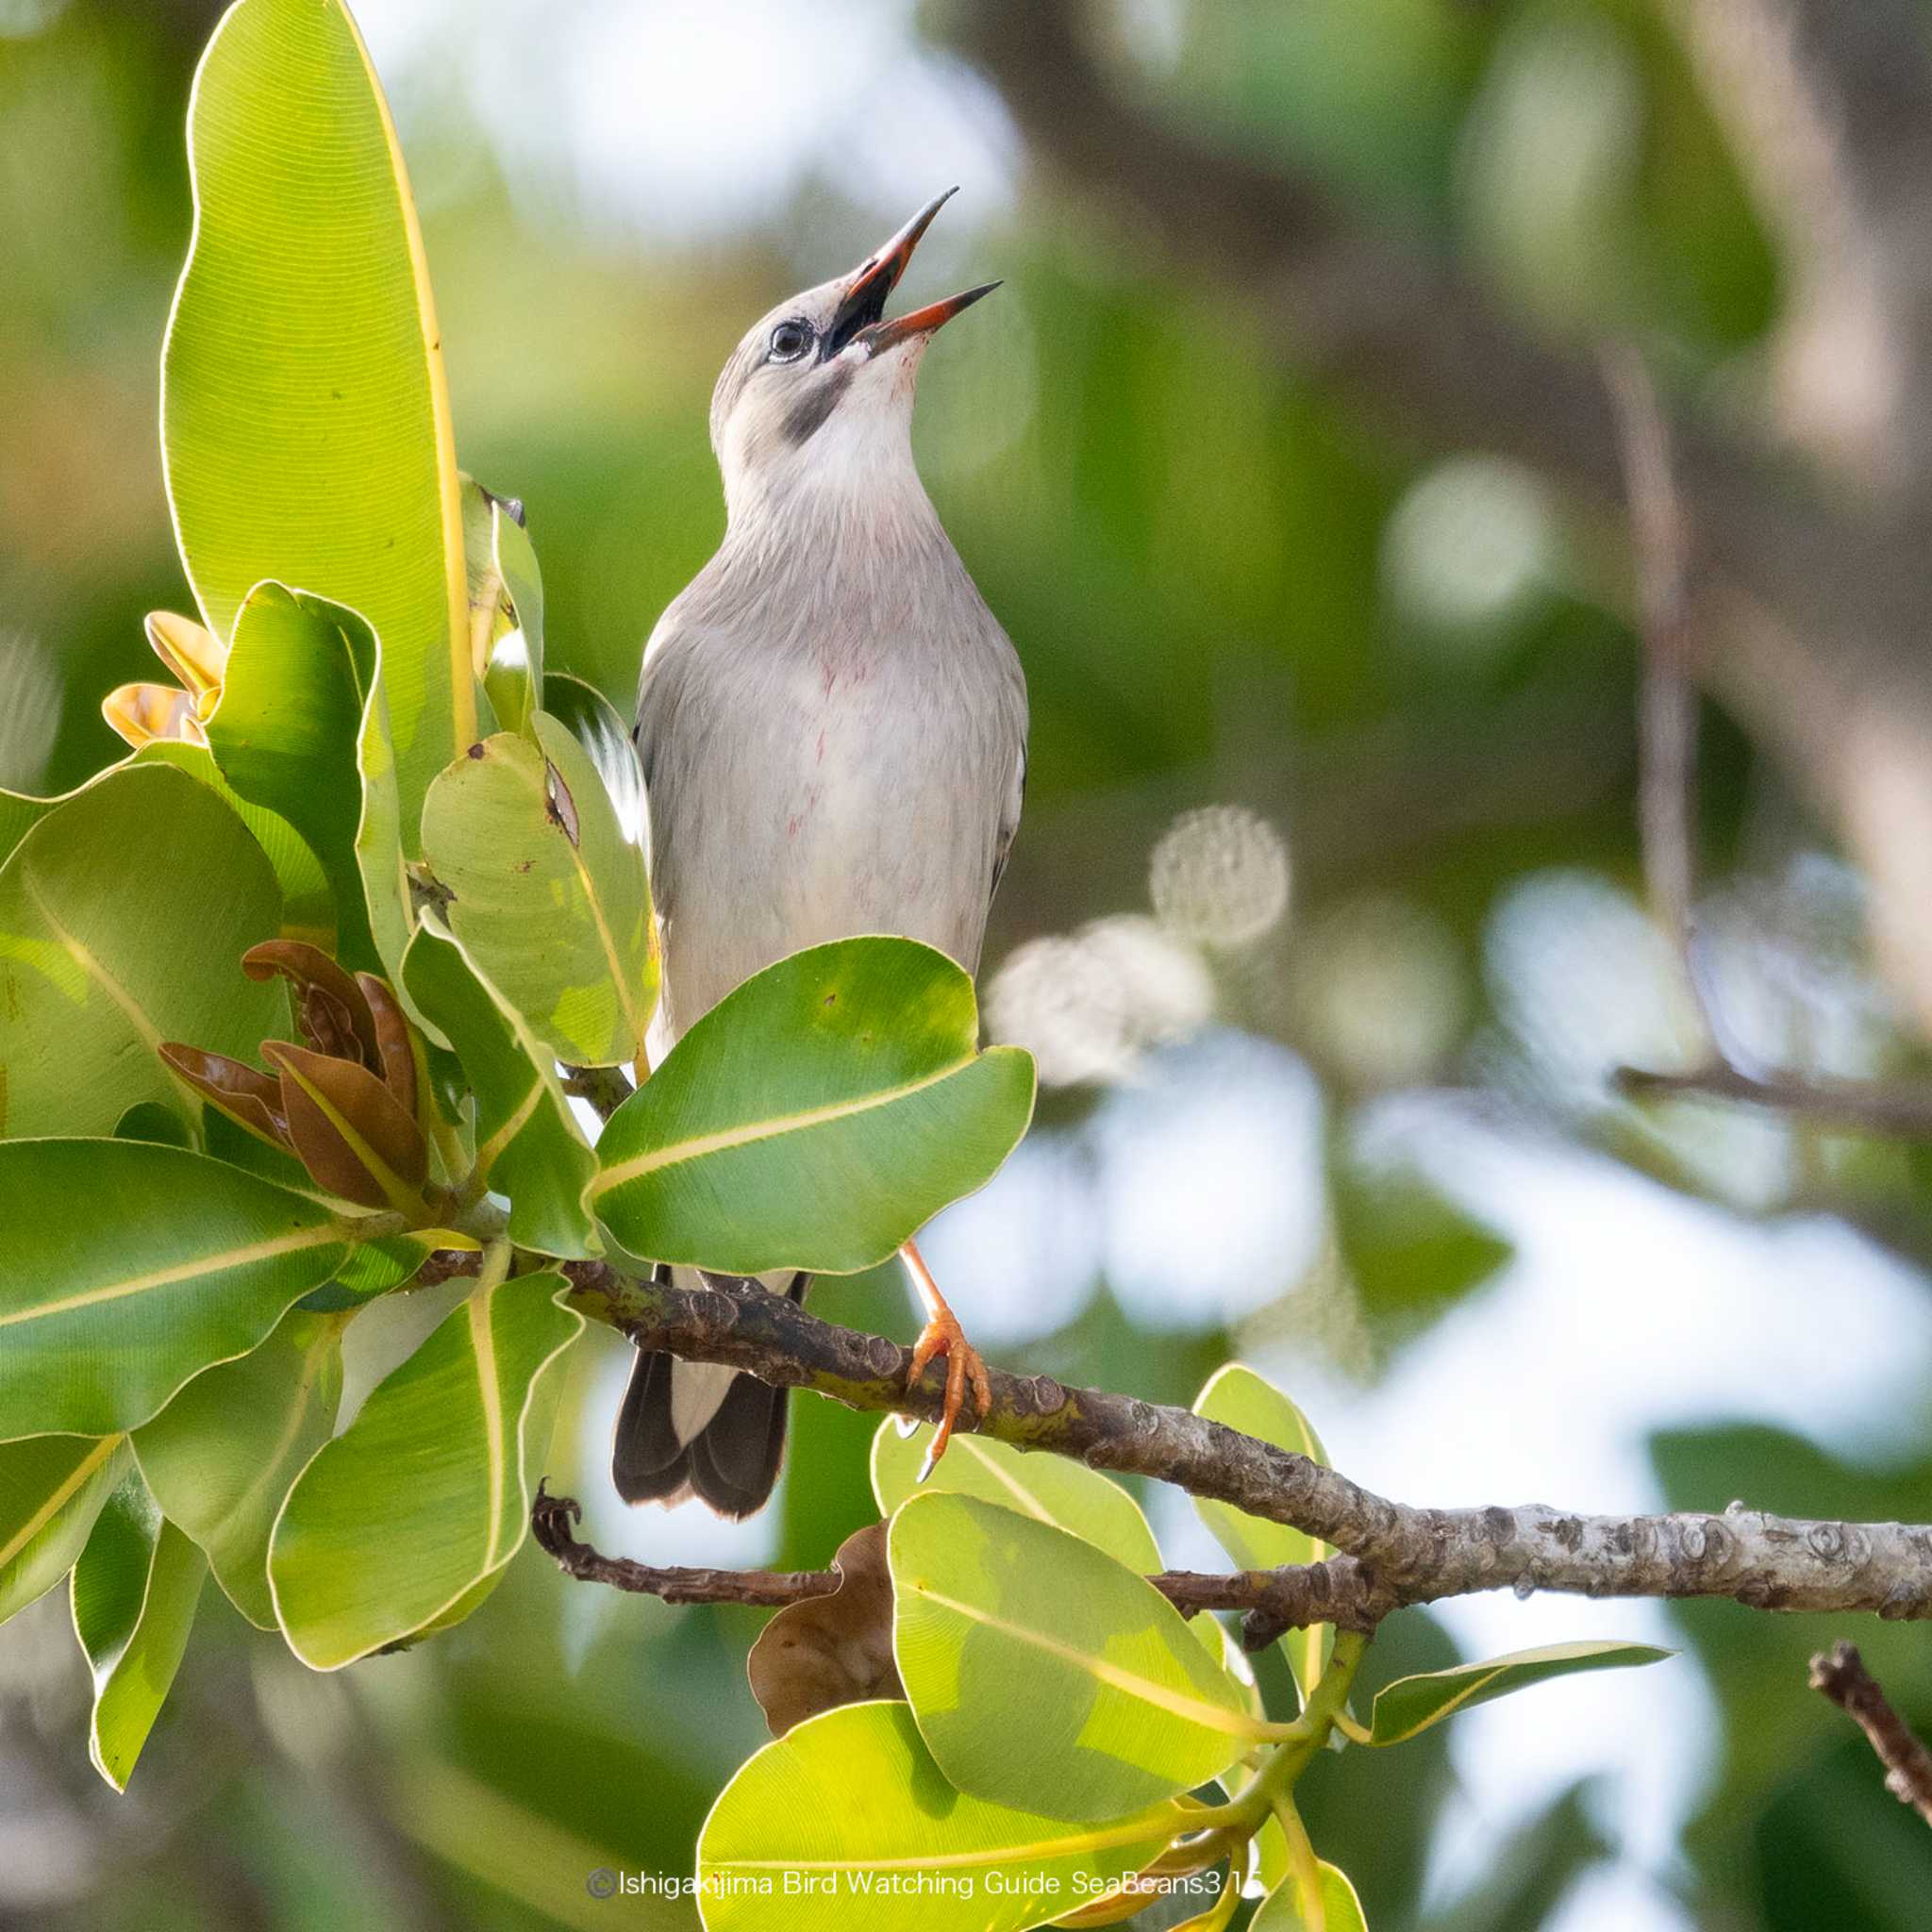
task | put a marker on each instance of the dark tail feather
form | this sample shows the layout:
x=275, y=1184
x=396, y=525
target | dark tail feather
x=731, y=1464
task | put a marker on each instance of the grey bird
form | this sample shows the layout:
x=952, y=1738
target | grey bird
x=832, y=727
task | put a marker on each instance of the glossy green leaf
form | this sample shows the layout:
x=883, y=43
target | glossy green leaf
x=308, y=904
x=1237, y=1397
x=126, y=1268
x=135, y=1591
x=365, y=1554
x=528, y=1144
x=304, y=416
x=816, y=1116
x=222, y=1455
x=123, y=916
x=853, y=1804
x=1413, y=1704
x=1049, y=1489
x=302, y=707
x=997, y=1613
x=1341, y=1909
x=550, y=898
x=148, y=1119
x=594, y=722
x=505, y=599
x=51, y=1487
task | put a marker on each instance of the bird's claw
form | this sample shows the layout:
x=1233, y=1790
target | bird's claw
x=942, y=1336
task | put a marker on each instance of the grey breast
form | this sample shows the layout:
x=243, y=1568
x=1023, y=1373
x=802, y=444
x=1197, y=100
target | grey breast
x=833, y=745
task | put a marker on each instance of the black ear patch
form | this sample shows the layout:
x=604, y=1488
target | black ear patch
x=810, y=415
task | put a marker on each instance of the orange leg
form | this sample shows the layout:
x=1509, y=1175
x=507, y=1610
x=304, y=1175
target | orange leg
x=943, y=1336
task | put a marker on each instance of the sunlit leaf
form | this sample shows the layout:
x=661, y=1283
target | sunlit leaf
x=550, y=898
x=1413, y=1704
x=125, y=1267
x=528, y=1144
x=1049, y=1489
x=1341, y=1909
x=998, y=1613
x=135, y=1591
x=222, y=1455
x=308, y=904
x=362, y=1556
x=854, y=1805
x=1237, y=1397
x=506, y=598
x=304, y=416
x=302, y=699
x=123, y=916
x=51, y=1489
x=816, y=1116
x=594, y=721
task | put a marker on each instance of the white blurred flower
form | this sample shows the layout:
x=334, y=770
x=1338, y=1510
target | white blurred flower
x=1472, y=543
x=1218, y=875
x=1086, y=1004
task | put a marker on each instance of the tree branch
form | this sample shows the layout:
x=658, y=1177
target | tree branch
x=1843, y=1677
x=1390, y=1553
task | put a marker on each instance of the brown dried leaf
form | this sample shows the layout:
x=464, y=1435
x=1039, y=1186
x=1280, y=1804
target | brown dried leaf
x=250, y=1098
x=830, y=1649
x=330, y=1009
x=347, y=1127
x=397, y=1056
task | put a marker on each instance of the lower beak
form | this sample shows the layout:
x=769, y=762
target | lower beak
x=922, y=321
x=862, y=307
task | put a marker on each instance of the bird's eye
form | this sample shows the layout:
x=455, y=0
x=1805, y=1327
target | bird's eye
x=790, y=340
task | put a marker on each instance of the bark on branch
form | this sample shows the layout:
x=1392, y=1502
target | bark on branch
x=1843, y=1677
x=1390, y=1555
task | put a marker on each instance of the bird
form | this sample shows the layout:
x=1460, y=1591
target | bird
x=832, y=729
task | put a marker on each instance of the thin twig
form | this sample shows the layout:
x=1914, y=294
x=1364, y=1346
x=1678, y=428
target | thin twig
x=1316, y=1593
x=1871, y=1107
x=1843, y=1677
x=550, y=1518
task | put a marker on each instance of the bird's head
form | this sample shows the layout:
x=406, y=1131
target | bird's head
x=818, y=393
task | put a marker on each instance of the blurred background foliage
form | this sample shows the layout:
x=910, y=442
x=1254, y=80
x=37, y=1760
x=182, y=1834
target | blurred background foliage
x=1327, y=920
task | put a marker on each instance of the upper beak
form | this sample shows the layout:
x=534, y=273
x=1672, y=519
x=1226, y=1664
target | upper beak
x=858, y=318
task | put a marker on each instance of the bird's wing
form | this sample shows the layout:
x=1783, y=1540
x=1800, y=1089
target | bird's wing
x=1009, y=820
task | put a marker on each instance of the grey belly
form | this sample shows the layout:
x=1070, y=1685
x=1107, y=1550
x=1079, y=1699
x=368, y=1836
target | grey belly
x=837, y=821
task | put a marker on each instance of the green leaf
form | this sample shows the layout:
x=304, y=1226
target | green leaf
x=135, y=1591
x=123, y=916
x=505, y=597
x=1049, y=1489
x=1341, y=1911
x=528, y=1146
x=132, y=1267
x=302, y=707
x=1413, y=1704
x=148, y=1119
x=999, y=1614
x=222, y=1455
x=1410, y=1249
x=594, y=722
x=1237, y=1397
x=308, y=904
x=853, y=1804
x=550, y=897
x=305, y=414
x=815, y=1117
x=51, y=1487
x=407, y=1519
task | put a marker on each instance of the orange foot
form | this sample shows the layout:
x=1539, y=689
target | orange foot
x=943, y=1336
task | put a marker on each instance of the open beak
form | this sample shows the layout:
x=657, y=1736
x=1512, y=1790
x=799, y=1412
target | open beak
x=861, y=311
